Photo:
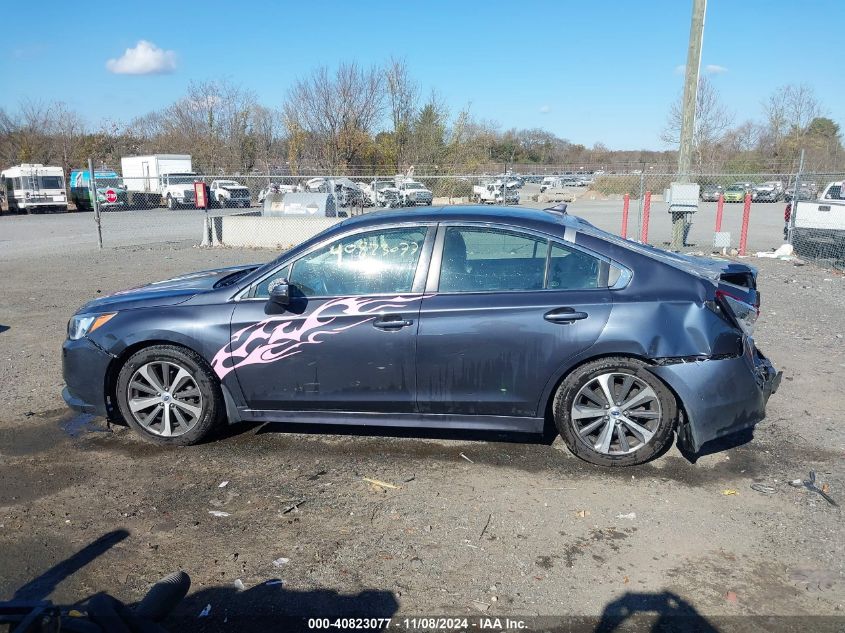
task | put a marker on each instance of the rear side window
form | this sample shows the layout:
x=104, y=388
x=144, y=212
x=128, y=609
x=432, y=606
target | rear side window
x=487, y=259
x=571, y=269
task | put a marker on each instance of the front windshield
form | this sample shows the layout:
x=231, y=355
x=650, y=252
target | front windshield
x=108, y=182
x=413, y=185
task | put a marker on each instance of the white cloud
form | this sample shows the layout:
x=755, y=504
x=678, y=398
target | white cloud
x=545, y=109
x=715, y=69
x=145, y=59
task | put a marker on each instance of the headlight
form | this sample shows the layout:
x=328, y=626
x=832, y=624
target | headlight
x=82, y=324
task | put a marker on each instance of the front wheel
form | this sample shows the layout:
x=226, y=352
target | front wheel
x=168, y=395
x=614, y=412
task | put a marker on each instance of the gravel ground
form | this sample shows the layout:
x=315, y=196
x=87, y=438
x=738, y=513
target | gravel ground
x=487, y=524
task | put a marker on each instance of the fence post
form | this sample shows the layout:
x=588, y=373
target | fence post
x=646, y=212
x=790, y=232
x=746, y=214
x=92, y=188
x=720, y=209
x=626, y=201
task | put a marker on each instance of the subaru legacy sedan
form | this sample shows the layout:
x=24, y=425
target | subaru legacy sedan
x=456, y=317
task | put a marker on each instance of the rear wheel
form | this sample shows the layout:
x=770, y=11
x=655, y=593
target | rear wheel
x=614, y=412
x=169, y=396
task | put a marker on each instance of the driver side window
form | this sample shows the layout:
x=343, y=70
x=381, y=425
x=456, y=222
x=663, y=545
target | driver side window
x=377, y=262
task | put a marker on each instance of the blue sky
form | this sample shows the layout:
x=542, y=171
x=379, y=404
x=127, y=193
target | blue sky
x=587, y=71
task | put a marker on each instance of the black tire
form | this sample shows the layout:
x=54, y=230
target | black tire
x=663, y=427
x=213, y=408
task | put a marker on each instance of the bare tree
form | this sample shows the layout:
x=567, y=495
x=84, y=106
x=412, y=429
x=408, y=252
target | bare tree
x=712, y=120
x=402, y=98
x=337, y=111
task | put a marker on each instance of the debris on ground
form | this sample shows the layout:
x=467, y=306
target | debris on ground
x=731, y=596
x=729, y=492
x=218, y=513
x=784, y=252
x=239, y=584
x=582, y=513
x=377, y=483
x=280, y=562
x=763, y=488
x=273, y=581
x=223, y=484
x=205, y=612
x=467, y=458
x=810, y=484
x=630, y=516
x=293, y=507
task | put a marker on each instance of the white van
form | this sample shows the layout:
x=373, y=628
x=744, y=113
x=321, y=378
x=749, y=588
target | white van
x=34, y=188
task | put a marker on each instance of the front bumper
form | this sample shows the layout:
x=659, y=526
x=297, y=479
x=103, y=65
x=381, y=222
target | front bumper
x=721, y=396
x=84, y=366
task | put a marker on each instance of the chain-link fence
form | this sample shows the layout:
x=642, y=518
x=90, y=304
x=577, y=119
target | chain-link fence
x=735, y=213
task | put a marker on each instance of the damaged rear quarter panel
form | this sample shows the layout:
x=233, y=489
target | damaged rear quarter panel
x=662, y=317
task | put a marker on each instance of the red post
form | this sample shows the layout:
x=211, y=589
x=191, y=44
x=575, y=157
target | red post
x=626, y=202
x=746, y=215
x=720, y=208
x=646, y=211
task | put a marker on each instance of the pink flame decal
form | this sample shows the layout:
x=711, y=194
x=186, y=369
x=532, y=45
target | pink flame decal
x=276, y=338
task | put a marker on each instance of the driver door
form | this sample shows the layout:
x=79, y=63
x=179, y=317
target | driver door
x=347, y=340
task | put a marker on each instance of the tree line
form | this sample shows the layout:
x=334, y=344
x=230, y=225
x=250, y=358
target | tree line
x=360, y=121
x=792, y=119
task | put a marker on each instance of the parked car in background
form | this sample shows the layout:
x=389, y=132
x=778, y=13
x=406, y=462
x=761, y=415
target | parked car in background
x=34, y=188
x=736, y=192
x=493, y=192
x=413, y=193
x=819, y=225
x=710, y=193
x=459, y=317
x=549, y=182
x=229, y=193
x=384, y=193
x=806, y=191
x=111, y=192
x=770, y=191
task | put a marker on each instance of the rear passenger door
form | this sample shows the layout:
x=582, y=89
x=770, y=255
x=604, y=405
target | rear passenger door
x=504, y=309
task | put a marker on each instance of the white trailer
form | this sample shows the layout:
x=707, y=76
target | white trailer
x=34, y=188
x=159, y=179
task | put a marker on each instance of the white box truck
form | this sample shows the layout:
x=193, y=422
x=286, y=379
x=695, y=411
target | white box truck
x=159, y=179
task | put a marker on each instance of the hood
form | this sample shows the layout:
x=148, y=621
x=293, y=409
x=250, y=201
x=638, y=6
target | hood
x=163, y=293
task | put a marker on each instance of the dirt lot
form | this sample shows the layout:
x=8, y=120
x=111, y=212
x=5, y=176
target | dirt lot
x=477, y=524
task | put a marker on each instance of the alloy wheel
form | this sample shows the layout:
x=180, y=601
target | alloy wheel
x=616, y=413
x=164, y=398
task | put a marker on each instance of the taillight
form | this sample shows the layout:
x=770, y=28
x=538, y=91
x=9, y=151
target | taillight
x=745, y=314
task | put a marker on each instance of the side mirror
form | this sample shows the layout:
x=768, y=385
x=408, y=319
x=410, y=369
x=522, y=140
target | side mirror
x=280, y=292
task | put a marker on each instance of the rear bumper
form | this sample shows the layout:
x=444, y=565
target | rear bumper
x=84, y=366
x=721, y=397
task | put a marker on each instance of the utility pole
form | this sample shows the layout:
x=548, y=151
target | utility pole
x=696, y=35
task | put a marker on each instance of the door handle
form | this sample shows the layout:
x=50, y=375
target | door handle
x=391, y=322
x=564, y=315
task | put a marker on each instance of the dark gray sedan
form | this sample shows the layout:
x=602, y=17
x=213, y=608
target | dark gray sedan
x=457, y=317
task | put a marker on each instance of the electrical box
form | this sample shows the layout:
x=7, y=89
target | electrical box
x=683, y=197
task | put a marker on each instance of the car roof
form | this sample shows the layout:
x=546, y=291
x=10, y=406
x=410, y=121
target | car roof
x=539, y=219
